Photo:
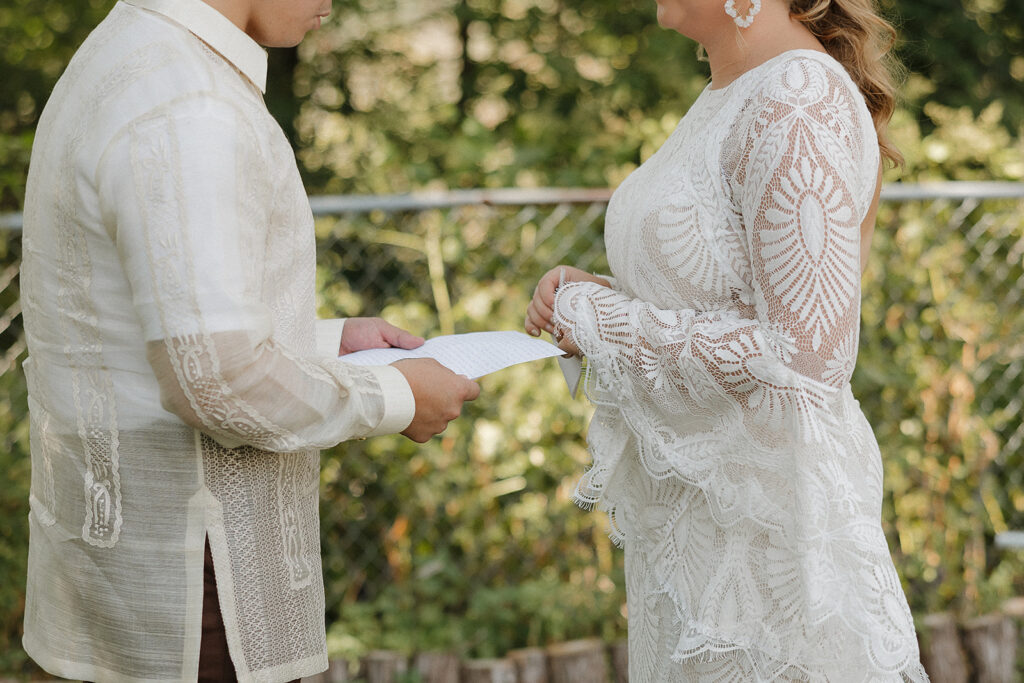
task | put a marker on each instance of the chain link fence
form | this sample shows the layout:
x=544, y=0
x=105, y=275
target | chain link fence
x=414, y=535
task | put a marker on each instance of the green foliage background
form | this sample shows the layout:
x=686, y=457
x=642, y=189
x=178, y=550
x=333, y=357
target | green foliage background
x=471, y=541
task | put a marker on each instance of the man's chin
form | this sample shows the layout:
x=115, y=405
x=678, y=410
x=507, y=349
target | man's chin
x=280, y=42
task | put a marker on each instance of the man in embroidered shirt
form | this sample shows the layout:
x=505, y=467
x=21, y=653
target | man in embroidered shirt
x=179, y=384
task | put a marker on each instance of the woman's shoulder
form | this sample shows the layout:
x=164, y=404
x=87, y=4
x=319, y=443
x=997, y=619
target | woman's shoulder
x=806, y=90
x=803, y=77
x=802, y=85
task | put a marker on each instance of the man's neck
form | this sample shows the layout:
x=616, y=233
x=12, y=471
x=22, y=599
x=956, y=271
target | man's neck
x=238, y=12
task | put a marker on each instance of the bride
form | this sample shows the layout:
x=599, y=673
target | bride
x=736, y=466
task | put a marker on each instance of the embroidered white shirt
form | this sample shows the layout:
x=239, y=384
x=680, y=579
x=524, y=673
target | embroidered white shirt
x=176, y=388
x=736, y=464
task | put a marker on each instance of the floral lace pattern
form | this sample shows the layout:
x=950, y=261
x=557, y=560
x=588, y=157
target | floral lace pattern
x=734, y=462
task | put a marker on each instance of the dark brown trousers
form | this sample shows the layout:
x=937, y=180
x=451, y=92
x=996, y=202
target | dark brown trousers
x=215, y=664
x=214, y=659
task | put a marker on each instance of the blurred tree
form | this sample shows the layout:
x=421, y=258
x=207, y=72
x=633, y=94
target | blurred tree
x=488, y=93
x=37, y=39
x=395, y=96
x=963, y=53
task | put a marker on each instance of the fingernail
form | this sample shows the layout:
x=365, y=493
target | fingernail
x=550, y=329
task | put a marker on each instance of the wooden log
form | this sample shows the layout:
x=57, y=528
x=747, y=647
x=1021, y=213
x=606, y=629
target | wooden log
x=437, y=667
x=384, y=666
x=620, y=660
x=1014, y=608
x=531, y=664
x=577, y=661
x=337, y=672
x=488, y=671
x=992, y=646
x=941, y=654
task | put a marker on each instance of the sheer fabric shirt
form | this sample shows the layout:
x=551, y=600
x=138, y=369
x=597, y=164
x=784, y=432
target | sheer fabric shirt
x=176, y=387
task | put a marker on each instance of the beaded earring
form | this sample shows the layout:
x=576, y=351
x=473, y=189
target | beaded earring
x=743, y=22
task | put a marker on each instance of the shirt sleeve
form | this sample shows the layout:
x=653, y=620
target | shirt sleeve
x=187, y=188
x=800, y=196
x=328, y=336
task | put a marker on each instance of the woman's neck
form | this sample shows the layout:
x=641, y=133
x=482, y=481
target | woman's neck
x=732, y=52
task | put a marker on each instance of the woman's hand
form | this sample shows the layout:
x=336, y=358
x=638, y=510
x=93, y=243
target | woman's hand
x=541, y=308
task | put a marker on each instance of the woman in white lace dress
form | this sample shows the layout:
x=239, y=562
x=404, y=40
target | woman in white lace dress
x=737, y=468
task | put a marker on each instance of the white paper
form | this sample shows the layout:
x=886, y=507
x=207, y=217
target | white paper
x=474, y=354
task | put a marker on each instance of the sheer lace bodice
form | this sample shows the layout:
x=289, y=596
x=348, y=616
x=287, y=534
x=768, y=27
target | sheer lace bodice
x=728, y=449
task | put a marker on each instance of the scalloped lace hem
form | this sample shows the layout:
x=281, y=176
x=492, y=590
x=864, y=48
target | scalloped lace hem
x=718, y=652
x=702, y=650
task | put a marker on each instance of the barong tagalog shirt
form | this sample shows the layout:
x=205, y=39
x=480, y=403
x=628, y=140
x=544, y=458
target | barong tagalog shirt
x=177, y=388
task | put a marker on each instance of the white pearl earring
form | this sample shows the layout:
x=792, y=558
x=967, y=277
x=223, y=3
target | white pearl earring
x=743, y=22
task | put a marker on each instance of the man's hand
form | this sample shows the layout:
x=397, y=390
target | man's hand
x=439, y=395
x=360, y=334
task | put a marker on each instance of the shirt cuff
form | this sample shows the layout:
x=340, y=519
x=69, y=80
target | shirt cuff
x=399, y=404
x=328, y=336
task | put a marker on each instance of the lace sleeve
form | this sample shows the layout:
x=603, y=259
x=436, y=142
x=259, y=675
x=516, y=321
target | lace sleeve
x=189, y=190
x=799, y=192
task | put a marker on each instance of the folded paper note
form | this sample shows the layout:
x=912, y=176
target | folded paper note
x=474, y=354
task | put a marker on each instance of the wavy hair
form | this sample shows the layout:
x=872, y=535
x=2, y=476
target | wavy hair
x=853, y=33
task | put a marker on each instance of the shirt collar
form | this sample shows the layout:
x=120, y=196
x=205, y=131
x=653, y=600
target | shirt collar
x=218, y=32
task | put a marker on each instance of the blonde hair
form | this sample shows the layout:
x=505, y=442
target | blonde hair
x=853, y=33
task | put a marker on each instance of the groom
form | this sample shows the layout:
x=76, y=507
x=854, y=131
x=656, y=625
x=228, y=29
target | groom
x=179, y=385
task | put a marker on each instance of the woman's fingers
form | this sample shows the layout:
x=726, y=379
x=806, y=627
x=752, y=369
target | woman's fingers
x=536, y=320
x=545, y=291
x=540, y=311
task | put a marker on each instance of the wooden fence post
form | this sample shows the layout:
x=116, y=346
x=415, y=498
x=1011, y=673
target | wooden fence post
x=384, y=666
x=620, y=660
x=992, y=644
x=941, y=654
x=531, y=664
x=577, y=661
x=488, y=671
x=337, y=672
x=1014, y=608
x=437, y=667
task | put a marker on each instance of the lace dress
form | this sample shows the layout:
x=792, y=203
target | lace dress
x=734, y=462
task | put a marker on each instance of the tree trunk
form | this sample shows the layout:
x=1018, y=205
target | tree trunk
x=437, y=667
x=620, y=661
x=577, y=661
x=992, y=644
x=488, y=671
x=941, y=654
x=384, y=666
x=531, y=663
